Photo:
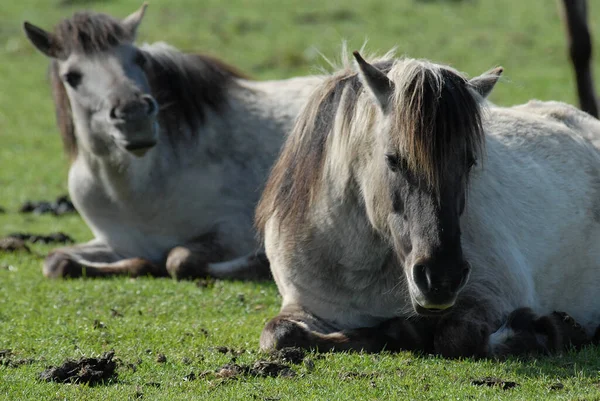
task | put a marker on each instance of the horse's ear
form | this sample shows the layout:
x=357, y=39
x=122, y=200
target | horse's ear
x=378, y=83
x=42, y=40
x=484, y=83
x=134, y=19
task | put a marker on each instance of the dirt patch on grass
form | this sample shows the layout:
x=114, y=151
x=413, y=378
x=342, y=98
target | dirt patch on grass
x=227, y=350
x=277, y=364
x=52, y=238
x=85, y=370
x=495, y=382
x=17, y=242
x=260, y=368
x=11, y=244
x=349, y=376
x=9, y=359
x=291, y=355
x=557, y=386
x=62, y=205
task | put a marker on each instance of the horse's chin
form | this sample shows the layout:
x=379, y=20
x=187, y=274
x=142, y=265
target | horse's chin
x=138, y=143
x=140, y=152
x=431, y=312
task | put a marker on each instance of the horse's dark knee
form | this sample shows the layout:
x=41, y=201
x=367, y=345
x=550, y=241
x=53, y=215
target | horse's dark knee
x=528, y=333
x=455, y=338
x=281, y=333
x=138, y=267
x=59, y=265
x=181, y=264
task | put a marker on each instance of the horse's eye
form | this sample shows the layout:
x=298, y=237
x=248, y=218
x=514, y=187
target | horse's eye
x=140, y=59
x=471, y=162
x=392, y=161
x=73, y=78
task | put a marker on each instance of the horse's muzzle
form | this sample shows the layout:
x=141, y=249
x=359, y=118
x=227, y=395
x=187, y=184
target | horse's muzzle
x=435, y=290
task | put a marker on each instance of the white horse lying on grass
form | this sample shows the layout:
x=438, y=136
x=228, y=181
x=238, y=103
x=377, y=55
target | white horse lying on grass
x=374, y=243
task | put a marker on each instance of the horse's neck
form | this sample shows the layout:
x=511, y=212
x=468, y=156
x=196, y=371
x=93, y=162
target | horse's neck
x=120, y=174
x=340, y=218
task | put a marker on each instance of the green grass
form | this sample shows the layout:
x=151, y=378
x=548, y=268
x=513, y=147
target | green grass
x=50, y=321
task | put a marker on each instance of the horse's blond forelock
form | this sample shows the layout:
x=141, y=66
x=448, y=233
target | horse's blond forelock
x=435, y=119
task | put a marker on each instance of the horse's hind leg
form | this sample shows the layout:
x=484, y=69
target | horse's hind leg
x=206, y=256
x=294, y=327
x=95, y=259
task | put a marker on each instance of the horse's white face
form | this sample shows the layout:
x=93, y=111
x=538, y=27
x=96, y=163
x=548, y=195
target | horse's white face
x=110, y=100
x=102, y=73
x=419, y=203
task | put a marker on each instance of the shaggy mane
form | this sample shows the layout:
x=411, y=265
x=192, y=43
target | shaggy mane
x=435, y=119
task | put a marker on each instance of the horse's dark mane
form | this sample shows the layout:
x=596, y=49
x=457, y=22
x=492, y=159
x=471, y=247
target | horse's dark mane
x=88, y=32
x=184, y=85
x=435, y=120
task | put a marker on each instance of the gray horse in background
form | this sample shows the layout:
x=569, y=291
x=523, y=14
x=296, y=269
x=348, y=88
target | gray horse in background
x=169, y=151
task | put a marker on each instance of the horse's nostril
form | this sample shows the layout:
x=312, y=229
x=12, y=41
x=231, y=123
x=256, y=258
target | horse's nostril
x=150, y=104
x=466, y=268
x=420, y=277
x=113, y=113
x=466, y=272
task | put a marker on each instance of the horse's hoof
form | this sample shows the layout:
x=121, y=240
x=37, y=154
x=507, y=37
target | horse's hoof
x=181, y=266
x=573, y=334
x=60, y=265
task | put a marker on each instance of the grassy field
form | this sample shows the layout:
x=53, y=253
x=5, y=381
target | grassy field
x=44, y=322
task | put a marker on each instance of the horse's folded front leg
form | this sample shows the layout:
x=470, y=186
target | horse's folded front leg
x=294, y=327
x=522, y=333
x=525, y=332
x=94, y=259
x=457, y=337
x=207, y=256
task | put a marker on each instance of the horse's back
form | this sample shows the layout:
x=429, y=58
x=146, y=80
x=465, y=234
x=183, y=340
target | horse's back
x=580, y=122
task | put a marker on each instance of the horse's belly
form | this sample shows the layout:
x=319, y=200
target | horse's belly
x=150, y=223
x=570, y=280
